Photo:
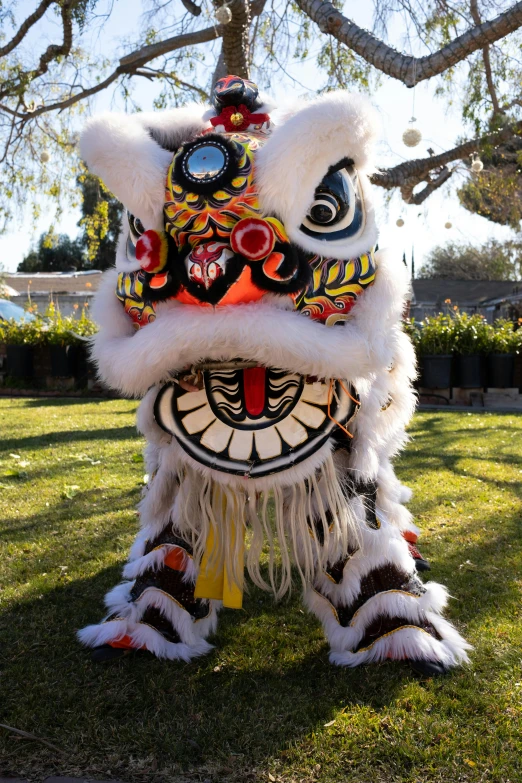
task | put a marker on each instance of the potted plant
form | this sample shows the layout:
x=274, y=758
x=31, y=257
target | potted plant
x=471, y=341
x=503, y=347
x=20, y=338
x=434, y=343
x=61, y=341
x=83, y=329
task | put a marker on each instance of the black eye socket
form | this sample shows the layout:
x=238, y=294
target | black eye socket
x=136, y=229
x=337, y=210
x=324, y=210
x=136, y=226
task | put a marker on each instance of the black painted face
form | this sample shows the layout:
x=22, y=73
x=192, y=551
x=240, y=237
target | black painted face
x=337, y=211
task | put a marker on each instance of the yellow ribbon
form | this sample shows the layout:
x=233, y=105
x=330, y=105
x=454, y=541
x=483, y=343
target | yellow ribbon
x=214, y=579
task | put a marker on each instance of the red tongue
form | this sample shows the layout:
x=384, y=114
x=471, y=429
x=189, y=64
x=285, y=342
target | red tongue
x=254, y=385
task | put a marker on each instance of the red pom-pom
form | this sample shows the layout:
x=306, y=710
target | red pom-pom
x=253, y=238
x=152, y=250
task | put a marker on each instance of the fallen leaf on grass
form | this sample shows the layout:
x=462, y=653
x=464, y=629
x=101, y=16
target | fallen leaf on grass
x=11, y=473
x=470, y=763
x=70, y=490
x=330, y=723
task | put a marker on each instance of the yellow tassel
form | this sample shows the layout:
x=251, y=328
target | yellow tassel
x=214, y=580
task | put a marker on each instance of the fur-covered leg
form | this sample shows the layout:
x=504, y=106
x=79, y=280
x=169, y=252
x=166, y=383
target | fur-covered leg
x=374, y=607
x=155, y=609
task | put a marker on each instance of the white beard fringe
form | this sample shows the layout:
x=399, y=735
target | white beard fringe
x=318, y=502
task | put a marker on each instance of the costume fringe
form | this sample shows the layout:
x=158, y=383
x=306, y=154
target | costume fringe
x=312, y=524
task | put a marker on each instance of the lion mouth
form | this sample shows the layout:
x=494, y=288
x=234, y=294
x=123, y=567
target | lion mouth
x=253, y=421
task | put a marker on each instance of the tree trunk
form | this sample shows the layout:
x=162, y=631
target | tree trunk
x=235, y=39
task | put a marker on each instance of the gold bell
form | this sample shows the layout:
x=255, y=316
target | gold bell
x=236, y=119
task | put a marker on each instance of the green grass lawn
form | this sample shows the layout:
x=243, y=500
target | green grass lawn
x=265, y=704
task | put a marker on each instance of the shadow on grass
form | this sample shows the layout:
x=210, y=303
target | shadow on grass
x=70, y=512
x=58, y=402
x=57, y=437
x=274, y=686
x=267, y=685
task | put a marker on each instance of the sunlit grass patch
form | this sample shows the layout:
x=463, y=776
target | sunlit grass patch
x=266, y=702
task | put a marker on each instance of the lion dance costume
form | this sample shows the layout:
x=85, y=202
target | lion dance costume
x=251, y=311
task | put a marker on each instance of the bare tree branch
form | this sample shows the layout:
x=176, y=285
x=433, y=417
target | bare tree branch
x=408, y=69
x=487, y=61
x=418, y=170
x=147, y=53
x=52, y=52
x=25, y=27
x=434, y=184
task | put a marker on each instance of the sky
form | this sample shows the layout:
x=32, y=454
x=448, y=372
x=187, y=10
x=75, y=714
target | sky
x=440, y=125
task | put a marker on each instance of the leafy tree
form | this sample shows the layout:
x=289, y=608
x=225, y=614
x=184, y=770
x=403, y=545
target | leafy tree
x=94, y=248
x=492, y=261
x=100, y=223
x=470, y=46
x=54, y=253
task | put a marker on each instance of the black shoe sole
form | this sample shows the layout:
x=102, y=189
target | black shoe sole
x=105, y=653
x=429, y=668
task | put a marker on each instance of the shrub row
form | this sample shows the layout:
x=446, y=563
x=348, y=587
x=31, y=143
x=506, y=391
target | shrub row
x=463, y=350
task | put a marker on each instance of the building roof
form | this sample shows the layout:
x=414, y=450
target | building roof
x=462, y=292
x=55, y=282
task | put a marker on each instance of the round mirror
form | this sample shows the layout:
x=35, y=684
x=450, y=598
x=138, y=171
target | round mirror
x=205, y=163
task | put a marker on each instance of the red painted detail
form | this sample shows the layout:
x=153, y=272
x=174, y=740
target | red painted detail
x=125, y=643
x=254, y=386
x=177, y=559
x=253, y=238
x=152, y=251
x=247, y=118
x=410, y=536
x=414, y=552
x=158, y=281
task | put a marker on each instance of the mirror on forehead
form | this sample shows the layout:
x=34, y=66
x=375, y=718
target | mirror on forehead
x=337, y=211
x=205, y=162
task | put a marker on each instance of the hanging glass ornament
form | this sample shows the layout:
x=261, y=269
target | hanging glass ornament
x=477, y=165
x=412, y=135
x=44, y=157
x=223, y=14
x=400, y=222
x=448, y=224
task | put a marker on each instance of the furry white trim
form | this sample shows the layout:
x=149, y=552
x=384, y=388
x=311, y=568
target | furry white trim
x=121, y=150
x=182, y=335
x=142, y=636
x=407, y=643
x=155, y=560
x=389, y=603
x=118, y=601
x=298, y=155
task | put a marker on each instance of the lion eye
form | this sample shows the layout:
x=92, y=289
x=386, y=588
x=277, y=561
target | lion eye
x=337, y=211
x=136, y=229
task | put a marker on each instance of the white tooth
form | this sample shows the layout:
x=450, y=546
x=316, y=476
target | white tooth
x=268, y=443
x=309, y=415
x=291, y=431
x=241, y=444
x=316, y=393
x=192, y=400
x=198, y=420
x=217, y=436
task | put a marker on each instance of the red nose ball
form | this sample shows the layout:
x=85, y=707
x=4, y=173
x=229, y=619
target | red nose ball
x=252, y=238
x=152, y=251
